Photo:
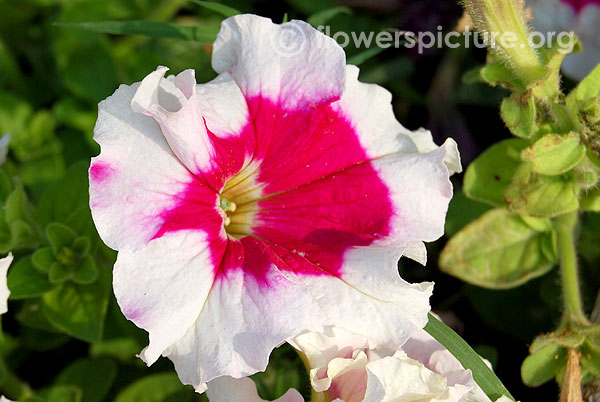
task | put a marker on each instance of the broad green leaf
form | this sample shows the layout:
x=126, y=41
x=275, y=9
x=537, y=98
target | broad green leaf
x=86, y=272
x=483, y=375
x=6, y=239
x=24, y=281
x=93, y=376
x=153, y=388
x=222, y=9
x=59, y=273
x=488, y=176
x=205, y=34
x=554, y=154
x=542, y=365
x=541, y=196
x=79, y=310
x=322, y=17
x=496, y=251
x=17, y=206
x=519, y=114
x=361, y=57
x=31, y=315
x=5, y=186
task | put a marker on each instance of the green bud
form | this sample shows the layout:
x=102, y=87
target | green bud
x=519, y=114
x=503, y=24
x=554, y=154
x=590, y=110
x=541, y=196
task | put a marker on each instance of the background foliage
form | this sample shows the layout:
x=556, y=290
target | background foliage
x=64, y=336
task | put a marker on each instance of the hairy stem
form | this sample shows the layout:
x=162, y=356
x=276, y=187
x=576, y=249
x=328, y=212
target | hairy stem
x=565, y=227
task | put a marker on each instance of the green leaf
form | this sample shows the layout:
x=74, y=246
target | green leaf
x=488, y=176
x=5, y=186
x=93, y=376
x=361, y=57
x=43, y=259
x=519, y=114
x=122, y=349
x=61, y=393
x=81, y=246
x=63, y=198
x=24, y=281
x=153, y=29
x=153, y=388
x=86, y=272
x=498, y=74
x=59, y=273
x=60, y=236
x=590, y=200
x=322, y=17
x=590, y=356
x=222, y=9
x=79, y=310
x=497, y=251
x=17, y=207
x=541, y=196
x=6, y=239
x=483, y=375
x=542, y=365
x=589, y=87
x=554, y=154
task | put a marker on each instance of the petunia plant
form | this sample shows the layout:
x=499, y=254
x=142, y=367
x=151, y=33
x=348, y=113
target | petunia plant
x=539, y=184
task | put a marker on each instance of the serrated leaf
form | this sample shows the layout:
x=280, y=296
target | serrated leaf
x=93, y=376
x=322, y=17
x=488, y=176
x=152, y=29
x=24, y=281
x=153, y=388
x=541, y=196
x=543, y=365
x=519, y=114
x=554, y=154
x=222, y=9
x=496, y=251
x=79, y=310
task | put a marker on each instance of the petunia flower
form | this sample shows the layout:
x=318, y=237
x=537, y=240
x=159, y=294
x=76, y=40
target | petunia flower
x=346, y=367
x=580, y=16
x=275, y=199
x=4, y=291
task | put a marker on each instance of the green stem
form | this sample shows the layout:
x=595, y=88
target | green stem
x=565, y=228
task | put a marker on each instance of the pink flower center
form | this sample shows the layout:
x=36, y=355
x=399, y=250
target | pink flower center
x=295, y=189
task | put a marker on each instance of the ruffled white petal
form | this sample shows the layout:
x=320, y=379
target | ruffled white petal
x=292, y=63
x=228, y=389
x=4, y=291
x=163, y=287
x=241, y=323
x=135, y=177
